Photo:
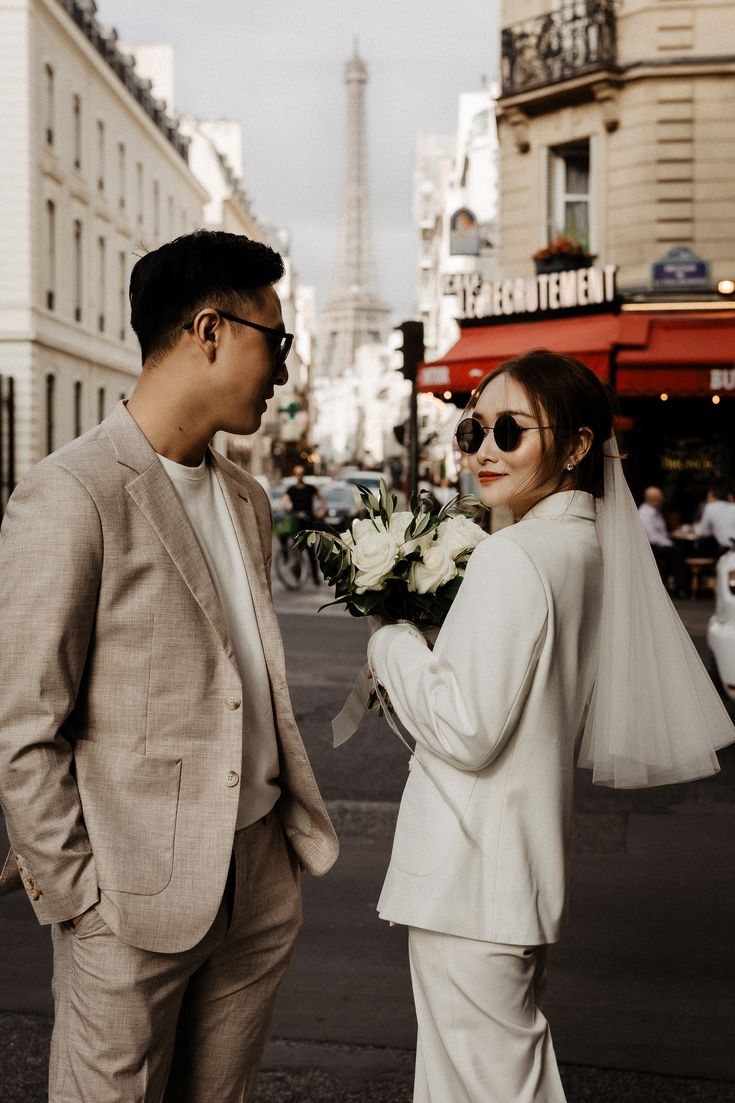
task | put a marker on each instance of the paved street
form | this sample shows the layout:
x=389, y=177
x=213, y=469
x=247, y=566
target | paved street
x=641, y=995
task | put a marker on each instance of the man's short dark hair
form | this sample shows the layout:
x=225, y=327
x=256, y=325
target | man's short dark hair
x=206, y=268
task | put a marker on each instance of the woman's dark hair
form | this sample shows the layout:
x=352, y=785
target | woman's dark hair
x=566, y=394
x=206, y=268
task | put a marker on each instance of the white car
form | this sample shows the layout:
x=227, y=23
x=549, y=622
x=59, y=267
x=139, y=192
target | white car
x=721, y=627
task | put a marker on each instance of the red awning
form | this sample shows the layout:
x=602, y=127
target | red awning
x=481, y=348
x=685, y=353
x=686, y=356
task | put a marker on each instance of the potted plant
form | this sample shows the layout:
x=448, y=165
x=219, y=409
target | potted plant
x=561, y=254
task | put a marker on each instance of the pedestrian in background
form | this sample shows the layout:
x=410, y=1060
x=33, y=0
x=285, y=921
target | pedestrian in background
x=306, y=506
x=561, y=632
x=718, y=520
x=157, y=794
x=668, y=555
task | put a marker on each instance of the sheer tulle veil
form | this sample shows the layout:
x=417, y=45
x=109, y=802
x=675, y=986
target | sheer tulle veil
x=655, y=716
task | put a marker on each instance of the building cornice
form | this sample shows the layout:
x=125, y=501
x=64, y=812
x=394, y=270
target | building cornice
x=548, y=97
x=104, y=42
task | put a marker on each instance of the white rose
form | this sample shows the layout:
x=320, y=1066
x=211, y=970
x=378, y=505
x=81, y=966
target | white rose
x=398, y=524
x=459, y=534
x=374, y=553
x=434, y=569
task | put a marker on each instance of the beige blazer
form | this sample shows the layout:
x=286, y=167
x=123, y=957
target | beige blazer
x=483, y=835
x=120, y=727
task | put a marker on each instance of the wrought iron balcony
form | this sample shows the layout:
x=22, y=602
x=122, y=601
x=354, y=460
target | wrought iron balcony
x=577, y=37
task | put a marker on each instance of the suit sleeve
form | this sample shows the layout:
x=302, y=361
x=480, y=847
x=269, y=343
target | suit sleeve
x=463, y=700
x=50, y=567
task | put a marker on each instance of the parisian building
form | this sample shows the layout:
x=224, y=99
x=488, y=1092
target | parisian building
x=94, y=172
x=617, y=227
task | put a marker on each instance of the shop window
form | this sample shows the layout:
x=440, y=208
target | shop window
x=50, y=255
x=50, y=412
x=569, y=205
x=77, y=409
x=49, y=104
x=76, y=110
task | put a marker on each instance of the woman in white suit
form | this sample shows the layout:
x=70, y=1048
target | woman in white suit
x=497, y=709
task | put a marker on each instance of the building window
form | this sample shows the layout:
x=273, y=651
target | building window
x=171, y=218
x=156, y=209
x=100, y=155
x=77, y=409
x=101, y=282
x=50, y=255
x=49, y=104
x=569, y=213
x=76, y=109
x=121, y=176
x=100, y=404
x=50, y=412
x=122, y=294
x=139, y=193
x=78, y=270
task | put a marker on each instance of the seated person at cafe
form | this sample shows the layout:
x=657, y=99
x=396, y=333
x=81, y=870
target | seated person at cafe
x=718, y=520
x=669, y=556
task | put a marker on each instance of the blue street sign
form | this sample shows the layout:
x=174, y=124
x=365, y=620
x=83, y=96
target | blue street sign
x=681, y=267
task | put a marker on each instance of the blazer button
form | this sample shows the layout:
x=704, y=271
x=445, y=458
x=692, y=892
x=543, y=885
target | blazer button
x=232, y=702
x=232, y=778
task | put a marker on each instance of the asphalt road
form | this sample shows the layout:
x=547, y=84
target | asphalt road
x=641, y=994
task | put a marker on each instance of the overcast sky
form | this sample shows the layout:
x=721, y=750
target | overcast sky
x=278, y=67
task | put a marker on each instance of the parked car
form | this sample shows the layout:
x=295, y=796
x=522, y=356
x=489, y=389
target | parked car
x=342, y=502
x=721, y=627
x=370, y=479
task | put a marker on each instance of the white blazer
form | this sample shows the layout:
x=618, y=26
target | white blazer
x=483, y=835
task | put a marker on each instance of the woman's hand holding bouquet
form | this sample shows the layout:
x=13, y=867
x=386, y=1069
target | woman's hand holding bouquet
x=395, y=565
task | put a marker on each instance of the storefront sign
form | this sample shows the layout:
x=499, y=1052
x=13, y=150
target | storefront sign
x=478, y=298
x=464, y=234
x=722, y=379
x=681, y=267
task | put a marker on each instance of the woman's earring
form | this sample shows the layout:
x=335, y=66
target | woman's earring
x=570, y=467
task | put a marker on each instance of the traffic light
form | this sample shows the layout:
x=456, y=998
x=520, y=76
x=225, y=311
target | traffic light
x=412, y=349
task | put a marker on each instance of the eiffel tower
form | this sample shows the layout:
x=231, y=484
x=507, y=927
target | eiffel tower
x=355, y=315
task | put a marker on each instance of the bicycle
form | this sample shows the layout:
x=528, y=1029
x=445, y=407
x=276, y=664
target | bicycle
x=291, y=563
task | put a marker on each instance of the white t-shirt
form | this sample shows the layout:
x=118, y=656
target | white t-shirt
x=204, y=504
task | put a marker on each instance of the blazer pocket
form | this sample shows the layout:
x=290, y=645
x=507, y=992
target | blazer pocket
x=130, y=803
x=431, y=817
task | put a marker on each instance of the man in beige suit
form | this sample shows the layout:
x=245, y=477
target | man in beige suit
x=157, y=795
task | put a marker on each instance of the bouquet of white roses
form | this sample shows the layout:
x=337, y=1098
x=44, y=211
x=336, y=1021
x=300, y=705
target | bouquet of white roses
x=397, y=564
x=394, y=565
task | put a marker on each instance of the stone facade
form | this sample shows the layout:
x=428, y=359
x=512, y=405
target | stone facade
x=93, y=171
x=645, y=97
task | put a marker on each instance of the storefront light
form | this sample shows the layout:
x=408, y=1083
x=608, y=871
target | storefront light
x=664, y=397
x=447, y=395
x=726, y=287
x=716, y=399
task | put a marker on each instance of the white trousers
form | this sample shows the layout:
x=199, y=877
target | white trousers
x=481, y=1035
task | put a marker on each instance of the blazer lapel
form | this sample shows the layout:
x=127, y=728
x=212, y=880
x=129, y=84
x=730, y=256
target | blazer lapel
x=153, y=493
x=156, y=498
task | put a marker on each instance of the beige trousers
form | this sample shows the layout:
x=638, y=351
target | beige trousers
x=481, y=1035
x=133, y=1026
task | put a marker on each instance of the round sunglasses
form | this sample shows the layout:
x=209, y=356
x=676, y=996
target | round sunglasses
x=507, y=433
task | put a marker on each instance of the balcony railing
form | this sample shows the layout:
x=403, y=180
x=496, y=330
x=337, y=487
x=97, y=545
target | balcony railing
x=579, y=36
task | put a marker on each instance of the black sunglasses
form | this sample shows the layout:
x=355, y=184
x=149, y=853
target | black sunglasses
x=507, y=432
x=278, y=339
